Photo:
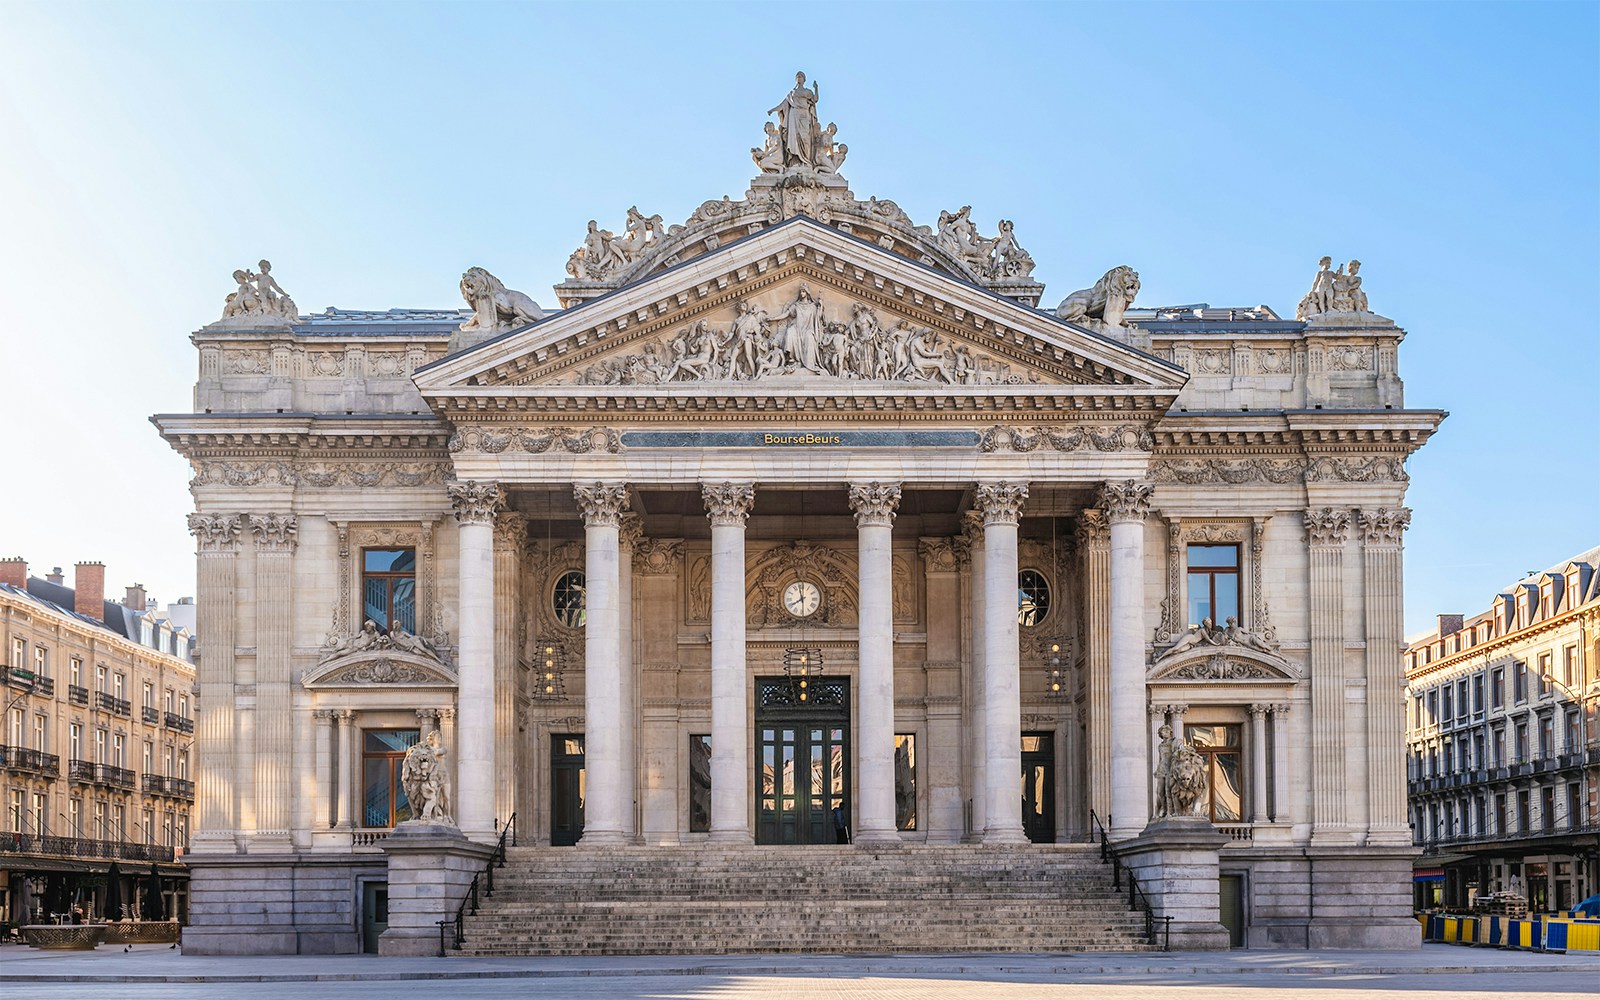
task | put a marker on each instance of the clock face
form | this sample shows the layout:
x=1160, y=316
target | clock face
x=802, y=599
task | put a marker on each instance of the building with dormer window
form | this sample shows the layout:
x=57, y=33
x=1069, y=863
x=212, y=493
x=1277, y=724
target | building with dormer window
x=801, y=522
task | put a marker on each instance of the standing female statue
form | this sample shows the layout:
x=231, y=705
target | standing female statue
x=797, y=120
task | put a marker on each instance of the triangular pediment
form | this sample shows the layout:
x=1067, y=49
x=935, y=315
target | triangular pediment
x=799, y=309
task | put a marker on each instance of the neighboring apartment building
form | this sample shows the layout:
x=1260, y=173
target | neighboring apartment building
x=1504, y=744
x=97, y=708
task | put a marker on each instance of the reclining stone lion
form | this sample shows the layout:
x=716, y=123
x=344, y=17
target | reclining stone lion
x=494, y=306
x=1106, y=301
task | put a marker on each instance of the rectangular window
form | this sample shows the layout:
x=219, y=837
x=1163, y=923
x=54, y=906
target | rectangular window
x=1213, y=583
x=1497, y=689
x=147, y=820
x=41, y=733
x=183, y=705
x=1461, y=700
x=905, y=781
x=1547, y=735
x=75, y=816
x=1521, y=682
x=1416, y=712
x=166, y=829
x=100, y=679
x=100, y=746
x=19, y=654
x=118, y=683
x=1221, y=748
x=14, y=724
x=1569, y=666
x=383, y=797
x=75, y=672
x=1477, y=696
x=1544, y=674
x=1574, y=805
x=149, y=695
x=1571, y=734
x=119, y=755
x=1433, y=707
x=100, y=820
x=1522, y=742
x=1500, y=813
x=119, y=821
x=1524, y=811
x=1478, y=757
x=41, y=662
x=149, y=757
x=699, y=783
x=1547, y=808
x=389, y=588
x=75, y=741
x=1447, y=703
x=183, y=764
x=170, y=705
x=41, y=812
x=166, y=762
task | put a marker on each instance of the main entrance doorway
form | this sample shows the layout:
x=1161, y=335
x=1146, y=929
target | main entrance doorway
x=566, y=789
x=1039, y=787
x=802, y=759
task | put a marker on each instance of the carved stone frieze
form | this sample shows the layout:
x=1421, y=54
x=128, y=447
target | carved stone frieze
x=1092, y=528
x=1001, y=503
x=874, y=503
x=494, y=440
x=216, y=532
x=728, y=503
x=1128, y=500
x=274, y=532
x=243, y=474
x=1384, y=525
x=1123, y=437
x=1328, y=526
x=657, y=556
x=321, y=475
x=1200, y=471
x=1212, y=534
x=831, y=570
x=475, y=502
x=601, y=504
x=1220, y=667
x=1374, y=469
x=375, y=671
x=370, y=639
x=938, y=555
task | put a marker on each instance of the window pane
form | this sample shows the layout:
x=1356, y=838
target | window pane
x=1200, y=598
x=905, y=782
x=375, y=797
x=1227, y=585
x=1226, y=794
x=391, y=561
x=390, y=740
x=568, y=600
x=699, y=783
x=1033, y=597
x=405, y=604
x=1214, y=555
x=376, y=598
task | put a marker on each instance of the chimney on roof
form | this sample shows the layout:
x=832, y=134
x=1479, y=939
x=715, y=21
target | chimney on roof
x=1449, y=625
x=55, y=577
x=89, y=590
x=14, y=572
x=135, y=598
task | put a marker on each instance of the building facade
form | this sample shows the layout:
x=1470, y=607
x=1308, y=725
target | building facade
x=1503, y=745
x=97, y=751
x=793, y=511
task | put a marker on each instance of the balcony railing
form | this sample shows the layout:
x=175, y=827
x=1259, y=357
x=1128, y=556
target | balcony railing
x=113, y=704
x=178, y=788
x=89, y=772
x=1446, y=842
x=151, y=715
x=30, y=761
x=77, y=694
x=27, y=680
x=78, y=847
x=178, y=722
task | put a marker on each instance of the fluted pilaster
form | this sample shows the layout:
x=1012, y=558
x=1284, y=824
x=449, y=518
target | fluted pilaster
x=216, y=810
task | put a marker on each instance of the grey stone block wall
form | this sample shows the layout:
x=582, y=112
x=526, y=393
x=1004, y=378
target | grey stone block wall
x=1329, y=898
x=277, y=904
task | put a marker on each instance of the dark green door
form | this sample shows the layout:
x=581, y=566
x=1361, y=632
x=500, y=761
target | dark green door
x=1230, y=893
x=566, y=789
x=1039, y=787
x=802, y=760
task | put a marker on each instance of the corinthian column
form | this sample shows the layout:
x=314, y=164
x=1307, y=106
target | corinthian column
x=217, y=542
x=1326, y=531
x=274, y=743
x=475, y=507
x=1126, y=505
x=1001, y=506
x=874, y=505
x=1381, y=530
x=602, y=507
x=728, y=506
x=510, y=533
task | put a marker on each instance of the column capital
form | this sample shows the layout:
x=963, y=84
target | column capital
x=324, y=716
x=1279, y=709
x=1128, y=500
x=1092, y=528
x=1329, y=526
x=1158, y=711
x=1259, y=711
x=447, y=714
x=428, y=715
x=728, y=504
x=344, y=715
x=602, y=504
x=274, y=532
x=1000, y=502
x=216, y=532
x=475, y=502
x=874, y=503
x=511, y=529
x=1383, y=525
x=631, y=531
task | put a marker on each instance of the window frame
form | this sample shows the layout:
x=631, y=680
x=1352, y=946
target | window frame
x=388, y=577
x=394, y=759
x=1211, y=752
x=1211, y=573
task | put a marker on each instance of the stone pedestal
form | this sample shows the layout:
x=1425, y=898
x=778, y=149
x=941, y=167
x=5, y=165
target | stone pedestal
x=1175, y=861
x=430, y=867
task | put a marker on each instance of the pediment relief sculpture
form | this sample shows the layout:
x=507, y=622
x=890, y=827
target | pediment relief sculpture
x=803, y=337
x=1227, y=652
x=258, y=300
x=376, y=667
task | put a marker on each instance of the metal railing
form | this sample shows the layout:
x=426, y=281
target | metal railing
x=160, y=784
x=486, y=878
x=112, y=704
x=151, y=714
x=101, y=774
x=1137, y=900
x=77, y=694
x=178, y=722
x=80, y=847
x=32, y=761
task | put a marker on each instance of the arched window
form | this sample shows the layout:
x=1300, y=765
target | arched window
x=1033, y=598
x=567, y=601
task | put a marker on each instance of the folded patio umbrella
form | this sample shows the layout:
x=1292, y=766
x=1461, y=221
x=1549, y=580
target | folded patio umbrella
x=155, y=906
x=114, y=893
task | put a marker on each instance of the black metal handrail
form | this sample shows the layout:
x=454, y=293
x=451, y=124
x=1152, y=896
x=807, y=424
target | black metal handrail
x=175, y=721
x=1137, y=900
x=81, y=847
x=23, y=759
x=496, y=860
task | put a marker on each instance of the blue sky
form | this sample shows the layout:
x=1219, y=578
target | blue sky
x=374, y=151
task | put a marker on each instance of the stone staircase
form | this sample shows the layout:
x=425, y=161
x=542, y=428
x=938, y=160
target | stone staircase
x=824, y=899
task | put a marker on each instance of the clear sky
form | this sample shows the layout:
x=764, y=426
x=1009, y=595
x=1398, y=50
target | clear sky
x=374, y=151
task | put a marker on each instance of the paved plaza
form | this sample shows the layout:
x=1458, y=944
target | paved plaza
x=1434, y=971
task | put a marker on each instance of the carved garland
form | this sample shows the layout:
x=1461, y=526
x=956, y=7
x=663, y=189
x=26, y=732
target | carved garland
x=494, y=440
x=1123, y=437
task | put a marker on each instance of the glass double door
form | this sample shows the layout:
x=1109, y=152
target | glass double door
x=802, y=764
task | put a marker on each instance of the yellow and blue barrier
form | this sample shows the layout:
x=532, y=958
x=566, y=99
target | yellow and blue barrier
x=1535, y=933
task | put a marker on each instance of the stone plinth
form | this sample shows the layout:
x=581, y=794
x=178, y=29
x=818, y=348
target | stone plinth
x=1175, y=861
x=430, y=867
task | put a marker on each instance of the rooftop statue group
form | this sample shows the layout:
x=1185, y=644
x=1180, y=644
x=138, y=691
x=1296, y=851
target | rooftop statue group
x=259, y=297
x=797, y=144
x=1333, y=291
x=993, y=258
x=603, y=254
x=800, y=339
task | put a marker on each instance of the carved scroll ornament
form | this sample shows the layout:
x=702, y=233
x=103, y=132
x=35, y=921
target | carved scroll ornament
x=1123, y=437
x=475, y=502
x=1128, y=500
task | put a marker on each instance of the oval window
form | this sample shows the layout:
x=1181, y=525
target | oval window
x=568, y=600
x=1033, y=598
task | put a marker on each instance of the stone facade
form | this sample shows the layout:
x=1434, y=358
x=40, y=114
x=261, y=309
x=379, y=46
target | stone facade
x=1503, y=745
x=797, y=438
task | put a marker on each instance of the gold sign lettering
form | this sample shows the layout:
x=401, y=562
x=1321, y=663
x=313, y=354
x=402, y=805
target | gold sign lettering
x=801, y=439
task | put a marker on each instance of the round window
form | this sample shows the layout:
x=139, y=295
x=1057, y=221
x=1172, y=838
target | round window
x=1033, y=598
x=568, y=600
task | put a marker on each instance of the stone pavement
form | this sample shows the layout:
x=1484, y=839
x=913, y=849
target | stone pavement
x=1441, y=971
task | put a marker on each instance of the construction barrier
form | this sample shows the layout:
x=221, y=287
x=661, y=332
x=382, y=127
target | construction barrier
x=1538, y=933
